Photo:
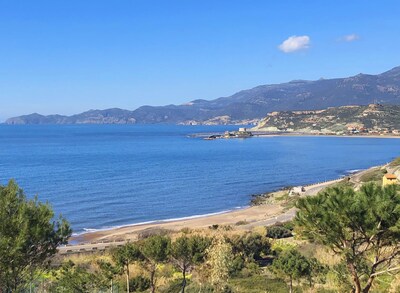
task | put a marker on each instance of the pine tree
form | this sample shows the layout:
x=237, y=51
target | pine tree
x=362, y=227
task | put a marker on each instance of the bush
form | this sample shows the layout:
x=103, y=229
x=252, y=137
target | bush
x=236, y=266
x=250, y=269
x=288, y=225
x=250, y=246
x=241, y=223
x=278, y=232
x=149, y=232
x=257, y=284
x=139, y=284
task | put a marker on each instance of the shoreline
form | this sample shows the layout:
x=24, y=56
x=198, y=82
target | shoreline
x=250, y=215
x=266, y=134
x=155, y=222
x=262, y=134
x=242, y=218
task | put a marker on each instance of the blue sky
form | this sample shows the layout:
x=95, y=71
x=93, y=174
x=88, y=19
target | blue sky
x=70, y=56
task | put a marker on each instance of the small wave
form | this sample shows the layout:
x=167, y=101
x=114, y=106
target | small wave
x=353, y=171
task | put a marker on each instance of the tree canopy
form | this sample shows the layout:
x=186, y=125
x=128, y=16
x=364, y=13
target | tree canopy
x=155, y=250
x=123, y=256
x=29, y=236
x=188, y=251
x=291, y=264
x=363, y=227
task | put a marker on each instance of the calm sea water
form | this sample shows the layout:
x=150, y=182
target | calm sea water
x=101, y=176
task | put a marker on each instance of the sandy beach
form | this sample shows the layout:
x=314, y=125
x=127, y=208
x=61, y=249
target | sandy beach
x=242, y=219
x=261, y=215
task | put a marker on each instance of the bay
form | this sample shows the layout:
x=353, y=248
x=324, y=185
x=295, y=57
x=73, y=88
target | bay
x=102, y=176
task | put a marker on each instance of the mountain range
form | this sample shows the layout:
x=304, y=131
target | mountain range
x=247, y=106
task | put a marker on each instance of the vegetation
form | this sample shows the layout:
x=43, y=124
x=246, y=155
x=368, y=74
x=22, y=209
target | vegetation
x=187, y=252
x=362, y=227
x=155, y=251
x=278, y=232
x=123, y=257
x=344, y=240
x=395, y=162
x=374, y=118
x=374, y=175
x=293, y=265
x=219, y=261
x=29, y=236
x=73, y=278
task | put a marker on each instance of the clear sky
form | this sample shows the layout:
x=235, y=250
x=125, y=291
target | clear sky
x=70, y=56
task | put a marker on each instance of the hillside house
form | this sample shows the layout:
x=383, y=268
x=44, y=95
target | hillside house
x=389, y=179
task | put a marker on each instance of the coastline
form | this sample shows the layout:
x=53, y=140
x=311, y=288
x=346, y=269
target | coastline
x=243, y=218
x=249, y=216
x=266, y=134
x=262, y=134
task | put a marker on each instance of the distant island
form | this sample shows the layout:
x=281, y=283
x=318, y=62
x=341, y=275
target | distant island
x=247, y=106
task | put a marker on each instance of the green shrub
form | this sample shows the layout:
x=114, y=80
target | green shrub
x=257, y=284
x=139, y=284
x=278, y=232
x=241, y=223
x=236, y=266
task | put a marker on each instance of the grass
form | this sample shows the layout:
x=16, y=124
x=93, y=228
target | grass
x=395, y=162
x=374, y=175
x=257, y=284
x=343, y=183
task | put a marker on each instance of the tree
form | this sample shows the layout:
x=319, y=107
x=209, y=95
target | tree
x=155, y=250
x=290, y=263
x=73, y=278
x=108, y=271
x=362, y=227
x=247, y=250
x=219, y=259
x=123, y=256
x=188, y=251
x=250, y=246
x=29, y=236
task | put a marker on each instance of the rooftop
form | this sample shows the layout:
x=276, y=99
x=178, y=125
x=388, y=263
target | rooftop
x=390, y=176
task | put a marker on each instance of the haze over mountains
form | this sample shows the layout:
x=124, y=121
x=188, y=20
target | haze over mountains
x=247, y=105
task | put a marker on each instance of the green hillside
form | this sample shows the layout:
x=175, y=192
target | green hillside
x=373, y=118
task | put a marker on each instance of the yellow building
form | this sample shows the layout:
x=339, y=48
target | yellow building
x=389, y=179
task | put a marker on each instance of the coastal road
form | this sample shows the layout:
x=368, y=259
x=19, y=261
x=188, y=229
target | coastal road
x=285, y=217
x=88, y=247
x=290, y=214
x=315, y=188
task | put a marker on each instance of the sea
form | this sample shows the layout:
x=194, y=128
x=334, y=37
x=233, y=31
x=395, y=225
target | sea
x=105, y=176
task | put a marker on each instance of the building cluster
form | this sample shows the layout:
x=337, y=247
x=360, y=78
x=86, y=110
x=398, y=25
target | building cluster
x=372, y=131
x=241, y=133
